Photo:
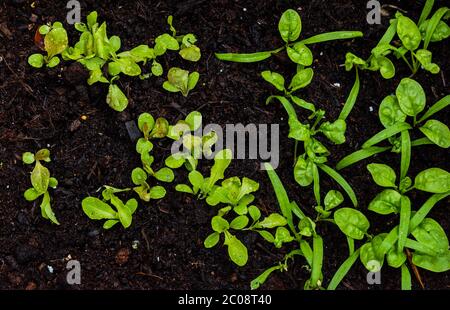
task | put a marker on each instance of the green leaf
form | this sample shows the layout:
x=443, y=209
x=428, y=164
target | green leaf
x=385, y=134
x=335, y=131
x=440, y=263
x=316, y=268
x=406, y=278
x=383, y=175
x=437, y=132
x=411, y=97
x=36, y=60
x=40, y=178
x=395, y=258
x=28, y=158
x=97, y=76
x=403, y=227
x=175, y=161
x=387, y=68
x=194, y=120
x=351, y=99
x=409, y=33
x=274, y=78
x=254, y=213
x=331, y=36
x=239, y=222
x=47, y=209
x=132, y=205
x=53, y=62
x=178, y=79
x=266, y=235
x=369, y=254
x=300, y=54
x=425, y=209
x=183, y=188
x=31, y=194
x=166, y=41
x=165, y=175
x=341, y=181
x=360, y=155
x=343, y=270
x=290, y=26
x=433, y=24
x=386, y=202
x=124, y=214
x=96, y=209
x=160, y=129
x=425, y=59
x=138, y=176
x=192, y=81
x=333, y=199
x=306, y=227
x=236, y=249
x=390, y=112
x=128, y=66
x=429, y=232
x=303, y=171
x=219, y=224
x=109, y=224
x=146, y=122
x=116, y=99
x=352, y=223
x=221, y=162
x=433, y=180
x=301, y=79
x=272, y=221
x=143, y=146
x=191, y=53
x=211, y=240
x=244, y=58
x=55, y=42
x=441, y=32
x=157, y=192
x=438, y=106
x=259, y=280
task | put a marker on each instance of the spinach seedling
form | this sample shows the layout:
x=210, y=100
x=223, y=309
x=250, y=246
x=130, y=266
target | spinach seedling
x=414, y=38
x=290, y=27
x=409, y=101
x=55, y=42
x=41, y=181
x=430, y=247
x=101, y=209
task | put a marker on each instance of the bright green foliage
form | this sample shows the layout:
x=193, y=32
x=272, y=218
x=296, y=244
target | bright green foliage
x=41, y=181
x=97, y=209
x=101, y=55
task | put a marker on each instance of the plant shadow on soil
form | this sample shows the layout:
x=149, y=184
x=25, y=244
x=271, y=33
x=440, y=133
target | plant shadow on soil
x=42, y=108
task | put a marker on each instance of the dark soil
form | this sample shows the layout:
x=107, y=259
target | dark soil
x=43, y=108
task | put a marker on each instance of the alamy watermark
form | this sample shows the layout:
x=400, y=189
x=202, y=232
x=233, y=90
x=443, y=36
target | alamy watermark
x=252, y=141
x=374, y=15
x=74, y=14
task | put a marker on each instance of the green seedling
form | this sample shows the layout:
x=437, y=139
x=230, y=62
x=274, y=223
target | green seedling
x=411, y=35
x=290, y=27
x=97, y=209
x=414, y=38
x=152, y=129
x=41, y=181
x=237, y=251
x=101, y=56
x=179, y=80
x=314, y=158
x=55, y=43
x=409, y=101
x=430, y=247
x=201, y=186
x=143, y=189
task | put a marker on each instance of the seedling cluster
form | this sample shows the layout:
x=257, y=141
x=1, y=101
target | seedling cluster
x=417, y=240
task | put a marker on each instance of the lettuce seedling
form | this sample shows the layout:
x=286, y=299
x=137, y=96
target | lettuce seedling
x=430, y=247
x=41, y=181
x=101, y=56
x=97, y=209
x=201, y=186
x=179, y=80
x=143, y=189
x=55, y=42
x=152, y=129
x=409, y=101
x=290, y=27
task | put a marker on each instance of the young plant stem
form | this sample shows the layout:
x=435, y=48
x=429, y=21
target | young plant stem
x=414, y=268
